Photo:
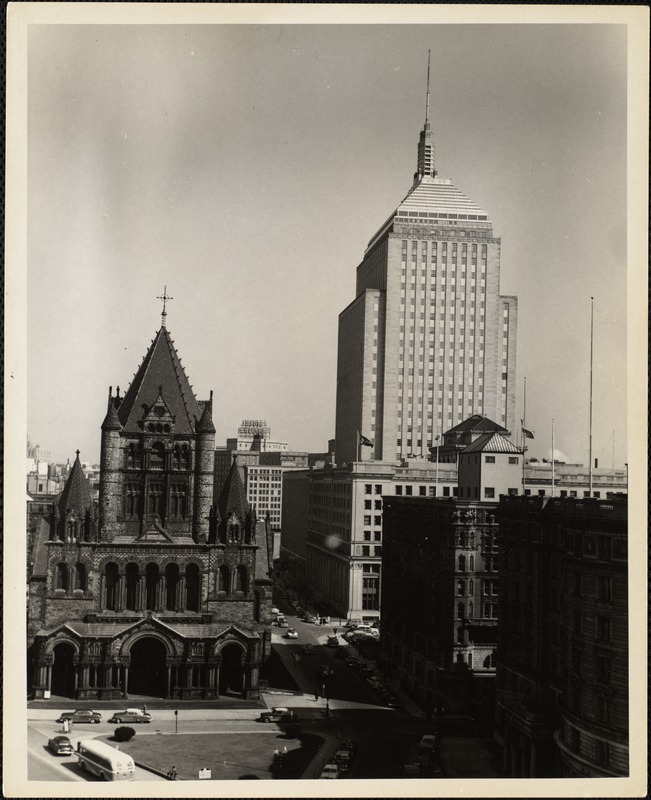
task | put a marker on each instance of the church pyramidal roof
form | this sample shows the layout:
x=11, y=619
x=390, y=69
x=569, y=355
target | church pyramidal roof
x=76, y=492
x=161, y=374
x=232, y=499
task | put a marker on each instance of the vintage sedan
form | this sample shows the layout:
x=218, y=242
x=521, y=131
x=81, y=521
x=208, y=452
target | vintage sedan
x=130, y=715
x=292, y=633
x=329, y=772
x=81, y=715
x=61, y=746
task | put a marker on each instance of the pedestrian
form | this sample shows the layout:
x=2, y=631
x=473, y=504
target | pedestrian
x=276, y=755
x=284, y=751
x=66, y=725
x=171, y=775
x=334, y=630
x=316, y=695
x=144, y=709
x=327, y=620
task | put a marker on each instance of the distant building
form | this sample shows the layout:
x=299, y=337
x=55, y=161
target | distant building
x=344, y=527
x=157, y=589
x=562, y=669
x=262, y=473
x=255, y=434
x=439, y=600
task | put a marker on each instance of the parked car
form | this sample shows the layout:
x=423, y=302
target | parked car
x=428, y=742
x=278, y=715
x=411, y=771
x=275, y=610
x=130, y=715
x=330, y=771
x=292, y=633
x=348, y=744
x=309, y=618
x=342, y=759
x=353, y=622
x=282, y=622
x=61, y=746
x=81, y=715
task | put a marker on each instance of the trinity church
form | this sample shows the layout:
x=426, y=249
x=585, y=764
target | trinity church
x=161, y=589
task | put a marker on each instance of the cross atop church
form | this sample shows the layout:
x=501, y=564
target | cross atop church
x=164, y=297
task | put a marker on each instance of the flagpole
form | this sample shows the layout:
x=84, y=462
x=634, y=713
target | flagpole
x=436, y=490
x=553, y=467
x=524, y=448
x=359, y=447
x=591, y=352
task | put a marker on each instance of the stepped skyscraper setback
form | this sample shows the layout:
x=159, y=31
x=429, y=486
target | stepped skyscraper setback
x=429, y=340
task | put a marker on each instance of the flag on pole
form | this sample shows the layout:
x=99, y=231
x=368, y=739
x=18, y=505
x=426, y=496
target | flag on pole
x=525, y=432
x=364, y=442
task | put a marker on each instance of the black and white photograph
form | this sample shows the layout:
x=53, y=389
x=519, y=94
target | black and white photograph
x=325, y=383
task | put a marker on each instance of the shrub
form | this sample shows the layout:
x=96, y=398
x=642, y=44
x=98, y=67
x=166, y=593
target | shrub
x=123, y=734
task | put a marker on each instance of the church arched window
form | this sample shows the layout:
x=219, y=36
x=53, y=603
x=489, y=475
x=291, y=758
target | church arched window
x=242, y=578
x=157, y=456
x=80, y=577
x=61, y=577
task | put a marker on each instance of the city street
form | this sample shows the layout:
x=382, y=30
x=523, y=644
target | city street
x=385, y=738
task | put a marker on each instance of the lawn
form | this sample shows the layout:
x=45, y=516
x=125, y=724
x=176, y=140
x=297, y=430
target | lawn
x=228, y=756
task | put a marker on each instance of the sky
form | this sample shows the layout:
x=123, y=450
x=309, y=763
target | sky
x=246, y=167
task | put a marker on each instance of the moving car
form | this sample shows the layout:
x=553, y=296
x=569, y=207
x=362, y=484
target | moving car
x=292, y=633
x=330, y=771
x=342, y=759
x=61, y=746
x=130, y=715
x=81, y=715
x=282, y=622
x=278, y=715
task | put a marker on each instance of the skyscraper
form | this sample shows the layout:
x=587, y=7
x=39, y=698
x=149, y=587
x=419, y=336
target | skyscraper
x=429, y=340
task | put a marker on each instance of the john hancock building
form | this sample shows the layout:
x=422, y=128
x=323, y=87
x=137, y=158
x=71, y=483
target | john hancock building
x=159, y=590
x=429, y=340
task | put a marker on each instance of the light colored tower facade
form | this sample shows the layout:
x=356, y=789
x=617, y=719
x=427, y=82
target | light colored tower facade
x=429, y=340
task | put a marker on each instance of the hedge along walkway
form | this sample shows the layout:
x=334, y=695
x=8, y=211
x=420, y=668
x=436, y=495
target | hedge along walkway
x=229, y=756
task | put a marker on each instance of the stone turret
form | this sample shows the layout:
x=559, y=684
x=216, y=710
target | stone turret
x=204, y=474
x=109, y=486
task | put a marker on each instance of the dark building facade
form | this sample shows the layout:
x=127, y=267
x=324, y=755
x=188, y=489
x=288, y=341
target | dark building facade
x=562, y=668
x=157, y=590
x=439, y=600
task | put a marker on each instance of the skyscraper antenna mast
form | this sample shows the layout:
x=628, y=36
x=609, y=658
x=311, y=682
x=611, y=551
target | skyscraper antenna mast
x=427, y=100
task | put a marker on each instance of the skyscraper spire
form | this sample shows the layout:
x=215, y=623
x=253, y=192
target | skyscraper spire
x=425, y=167
x=427, y=101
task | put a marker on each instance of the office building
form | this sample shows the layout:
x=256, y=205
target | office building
x=562, y=669
x=429, y=339
x=439, y=601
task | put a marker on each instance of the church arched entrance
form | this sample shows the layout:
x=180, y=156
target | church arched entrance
x=63, y=670
x=148, y=668
x=231, y=674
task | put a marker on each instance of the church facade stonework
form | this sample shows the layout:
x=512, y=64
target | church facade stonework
x=156, y=590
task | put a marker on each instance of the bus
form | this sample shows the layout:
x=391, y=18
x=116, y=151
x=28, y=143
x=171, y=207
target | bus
x=108, y=763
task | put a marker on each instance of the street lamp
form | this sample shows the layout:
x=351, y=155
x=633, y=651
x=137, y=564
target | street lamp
x=326, y=674
x=436, y=490
x=439, y=713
